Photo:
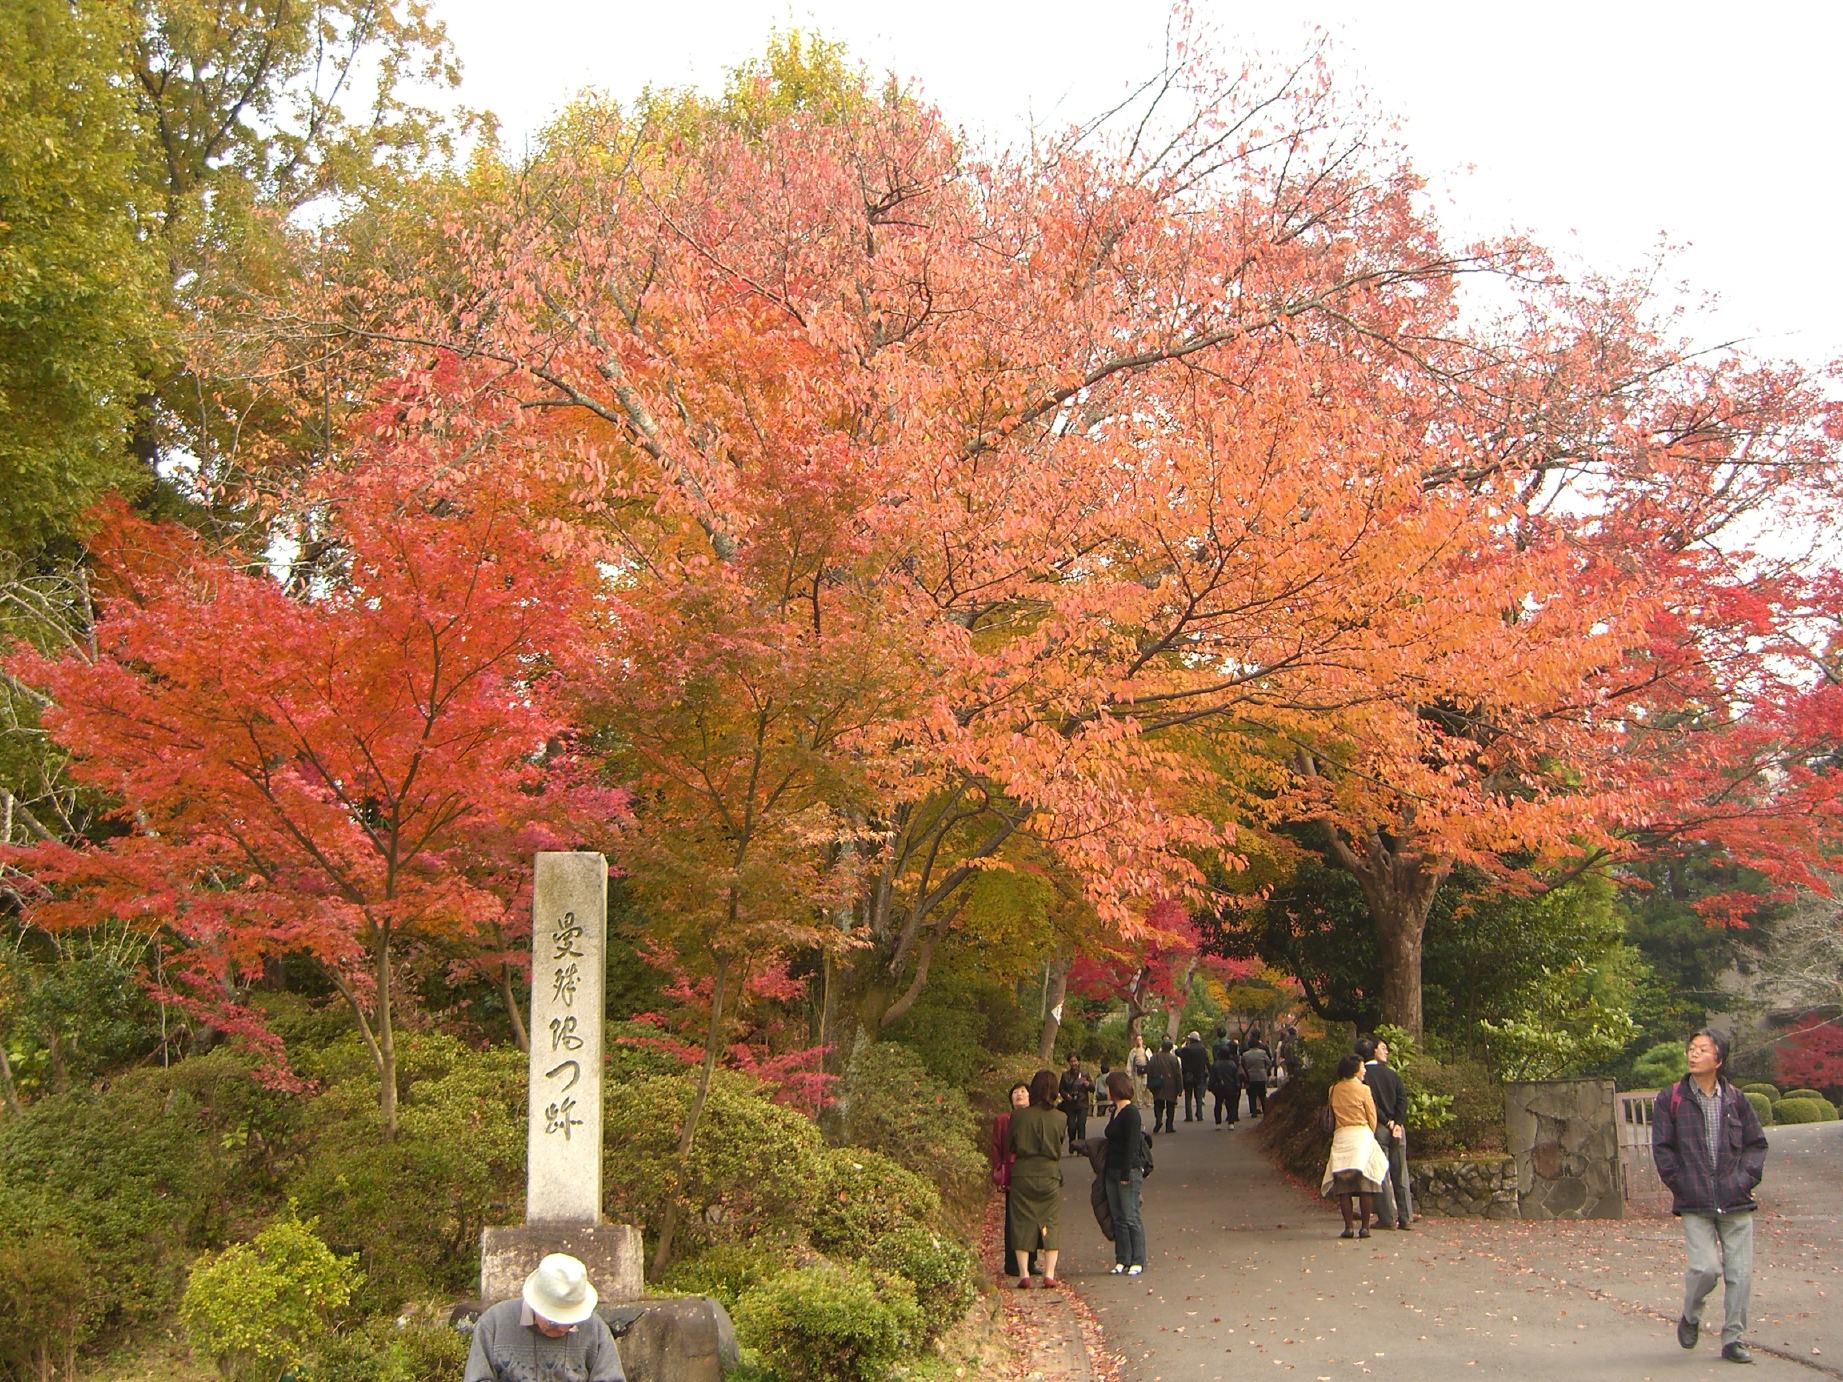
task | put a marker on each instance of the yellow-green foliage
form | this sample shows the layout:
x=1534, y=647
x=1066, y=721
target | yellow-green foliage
x=413, y=1206
x=384, y=1350
x=863, y=1195
x=142, y=1175
x=77, y=306
x=830, y=1323
x=259, y=1307
x=1762, y=1107
x=48, y=1303
x=755, y=1168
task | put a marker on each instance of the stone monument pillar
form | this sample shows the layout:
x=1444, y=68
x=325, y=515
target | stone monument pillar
x=563, y=1178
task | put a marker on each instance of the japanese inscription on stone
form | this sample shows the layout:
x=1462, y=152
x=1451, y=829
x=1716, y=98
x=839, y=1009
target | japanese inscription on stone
x=568, y=937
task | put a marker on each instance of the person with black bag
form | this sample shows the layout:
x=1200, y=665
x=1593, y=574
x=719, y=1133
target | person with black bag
x=1128, y=1161
x=1225, y=1079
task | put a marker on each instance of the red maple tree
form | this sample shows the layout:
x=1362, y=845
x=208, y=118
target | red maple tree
x=329, y=775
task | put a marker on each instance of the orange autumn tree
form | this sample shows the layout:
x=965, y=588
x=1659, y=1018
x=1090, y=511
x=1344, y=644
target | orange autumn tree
x=1171, y=432
x=329, y=777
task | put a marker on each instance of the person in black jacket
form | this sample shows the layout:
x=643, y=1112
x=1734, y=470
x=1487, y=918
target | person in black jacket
x=1709, y=1149
x=1385, y=1087
x=1077, y=1101
x=1225, y=1078
x=1195, y=1061
x=1125, y=1176
x=1165, y=1078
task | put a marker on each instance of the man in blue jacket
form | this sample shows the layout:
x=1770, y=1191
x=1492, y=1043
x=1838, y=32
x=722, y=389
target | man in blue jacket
x=1709, y=1148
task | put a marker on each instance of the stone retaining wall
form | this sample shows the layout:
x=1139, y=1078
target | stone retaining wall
x=1566, y=1144
x=1468, y=1188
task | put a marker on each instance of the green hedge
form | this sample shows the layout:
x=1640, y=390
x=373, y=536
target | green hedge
x=1803, y=1094
x=756, y=1169
x=1804, y=1111
x=1762, y=1107
x=138, y=1177
x=894, y=1106
x=1761, y=1087
x=864, y=1196
x=830, y=1323
x=941, y=1270
x=413, y=1208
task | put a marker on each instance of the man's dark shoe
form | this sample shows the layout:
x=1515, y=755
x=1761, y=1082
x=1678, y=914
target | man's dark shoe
x=1736, y=1353
x=1404, y=1225
x=1688, y=1331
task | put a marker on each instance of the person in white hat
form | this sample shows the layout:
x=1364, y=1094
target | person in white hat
x=549, y=1333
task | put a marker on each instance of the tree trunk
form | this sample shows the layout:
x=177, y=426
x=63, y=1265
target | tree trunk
x=1399, y=880
x=687, y=1137
x=6, y=1082
x=509, y=991
x=387, y=1044
x=1175, y=1018
x=1056, y=991
x=1398, y=941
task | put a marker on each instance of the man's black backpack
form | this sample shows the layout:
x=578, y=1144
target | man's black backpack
x=1145, y=1161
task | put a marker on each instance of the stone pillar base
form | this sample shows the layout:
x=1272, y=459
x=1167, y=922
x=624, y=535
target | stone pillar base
x=611, y=1252
x=687, y=1339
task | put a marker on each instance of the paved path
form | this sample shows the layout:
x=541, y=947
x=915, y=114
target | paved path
x=1247, y=1278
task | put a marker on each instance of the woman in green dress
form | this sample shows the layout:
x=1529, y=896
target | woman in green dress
x=1036, y=1135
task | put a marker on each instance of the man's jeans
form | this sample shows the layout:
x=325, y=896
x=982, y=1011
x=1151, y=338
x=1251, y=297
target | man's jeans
x=1720, y=1249
x=1128, y=1227
x=1162, y=1109
x=1193, y=1100
x=1393, y=1205
x=1078, y=1128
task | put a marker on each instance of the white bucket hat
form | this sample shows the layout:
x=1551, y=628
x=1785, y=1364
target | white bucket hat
x=559, y=1290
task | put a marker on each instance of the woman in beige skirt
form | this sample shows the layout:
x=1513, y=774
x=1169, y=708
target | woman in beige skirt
x=1355, y=1169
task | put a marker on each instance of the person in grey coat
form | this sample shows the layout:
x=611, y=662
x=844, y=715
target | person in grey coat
x=1256, y=1066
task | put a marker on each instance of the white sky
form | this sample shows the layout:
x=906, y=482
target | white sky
x=1599, y=128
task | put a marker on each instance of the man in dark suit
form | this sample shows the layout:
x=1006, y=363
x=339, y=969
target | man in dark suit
x=1385, y=1087
x=1195, y=1060
x=1165, y=1077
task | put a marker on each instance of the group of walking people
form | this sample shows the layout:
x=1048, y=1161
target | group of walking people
x=1707, y=1145
x=1225, y=1071
x=1048, y=1116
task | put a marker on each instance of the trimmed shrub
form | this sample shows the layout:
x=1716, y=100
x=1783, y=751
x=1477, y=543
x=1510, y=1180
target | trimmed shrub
x=257, y=1308
x=1762, y=1088
x=413, y=1208
x=832, y=1323
x=142, y=1175
x=942, y=1271
x=384, y=1350
x=1804, y=1111
x=48, y=1300
x=727, y=1271
x=1762, y=1107
x=1803, y=1094
x=755, y=1171
x=864, y=1196
x=1476, y=1106
x=894, y=1106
